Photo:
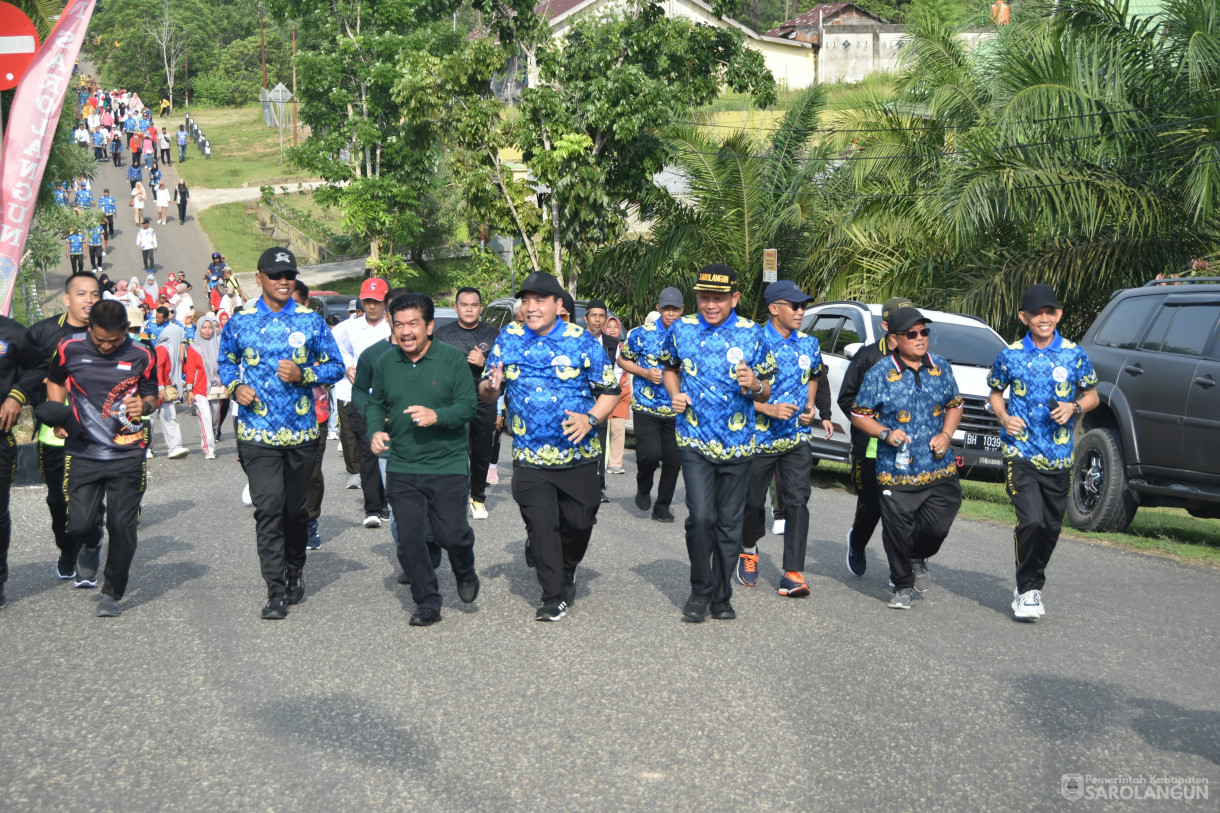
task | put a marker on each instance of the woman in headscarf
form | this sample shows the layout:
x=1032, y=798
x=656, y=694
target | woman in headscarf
x=105, y=285
x=137, y=201
x=618, y=418
x=170, y=288
x=203, y=382
x=184, y=303
x=169, y=373
x=149, y=291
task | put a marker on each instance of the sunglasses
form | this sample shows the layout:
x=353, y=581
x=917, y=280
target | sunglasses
x=802, y=306
x=287, y=273
x=916, y=334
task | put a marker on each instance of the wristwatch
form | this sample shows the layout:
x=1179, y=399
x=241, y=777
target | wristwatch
x=884, y=437
x=1076, y=406
x=593, y=421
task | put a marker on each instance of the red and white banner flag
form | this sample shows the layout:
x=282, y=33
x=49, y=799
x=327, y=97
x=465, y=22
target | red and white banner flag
x=33, y=118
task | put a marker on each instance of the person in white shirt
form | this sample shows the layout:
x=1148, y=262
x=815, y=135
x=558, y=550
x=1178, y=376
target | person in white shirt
x=81, y=136
x=342, y=394
x=356, y=337
x=146, y=239
x=163, y=201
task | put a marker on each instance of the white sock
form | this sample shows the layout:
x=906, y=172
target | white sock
x=752, y=551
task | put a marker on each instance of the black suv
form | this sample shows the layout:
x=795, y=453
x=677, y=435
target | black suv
x=1155, y=438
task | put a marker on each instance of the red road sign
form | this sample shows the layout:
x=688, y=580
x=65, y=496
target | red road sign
x=18, y=42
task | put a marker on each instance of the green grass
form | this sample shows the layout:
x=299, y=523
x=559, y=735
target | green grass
x=243, y=150
x=234, y=234
x=1162, y=531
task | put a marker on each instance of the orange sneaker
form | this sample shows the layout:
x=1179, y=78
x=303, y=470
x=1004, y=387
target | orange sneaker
x=747, y=569
x=793, y=585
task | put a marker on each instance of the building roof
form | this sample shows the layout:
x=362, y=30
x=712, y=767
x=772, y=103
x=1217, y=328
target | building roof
x=819, y=13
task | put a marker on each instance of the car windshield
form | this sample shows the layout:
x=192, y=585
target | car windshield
x=972, y=345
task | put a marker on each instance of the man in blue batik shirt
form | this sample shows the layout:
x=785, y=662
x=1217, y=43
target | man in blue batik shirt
x=109, y=208
x=84, y=198
x=560, y=385
x=716, y=368
x=656, y=441
x=909, y=401
x=272, y=353
x=1043, y=373
x=783, y=428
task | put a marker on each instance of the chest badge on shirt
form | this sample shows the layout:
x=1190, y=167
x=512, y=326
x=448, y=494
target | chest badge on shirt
x=804, y=362
x=296, y=339
x=1060, y=374
x=735, y=355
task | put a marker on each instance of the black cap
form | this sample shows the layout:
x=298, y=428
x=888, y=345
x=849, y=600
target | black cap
x=716, y=278
x=786, y=290
x=892, y=304
x=569, y=304
x=670, y=298
x=595, y=304
x=1037, y=297
x=901, y=320
x=540, y=283
x=277, y=258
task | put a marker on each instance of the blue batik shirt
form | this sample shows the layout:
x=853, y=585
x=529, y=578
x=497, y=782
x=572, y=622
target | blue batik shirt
x=182, y=138
x=1034, y=377
x=108, y=205
x=252, y=345
x=718, y=423
x=135, y=173
x=61, y=197
x=84, y=198
x=798, y=359
x=188, y=334
x=95, y=235
x=76, y=243
x=644, y=346
x=915, y=402
x=98, y=139
x=129, y=124
x=545, y=374
x=152, y=330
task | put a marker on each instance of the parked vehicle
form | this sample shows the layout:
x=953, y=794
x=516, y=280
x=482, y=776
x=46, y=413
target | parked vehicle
x=1155, y=438
x=968, y=343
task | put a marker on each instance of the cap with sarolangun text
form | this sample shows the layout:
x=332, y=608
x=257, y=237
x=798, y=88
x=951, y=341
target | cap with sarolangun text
x=716, y=278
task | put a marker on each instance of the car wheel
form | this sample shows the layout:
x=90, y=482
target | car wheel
x=1100, y=500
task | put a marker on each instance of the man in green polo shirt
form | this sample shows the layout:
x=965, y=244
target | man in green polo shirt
x=423, y=396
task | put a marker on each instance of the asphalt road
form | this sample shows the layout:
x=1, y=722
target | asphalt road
x=190, y=702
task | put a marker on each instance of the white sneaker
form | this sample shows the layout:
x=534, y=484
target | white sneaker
x=245, y=496
x=777, y=527
x=332, y=435
x=177, y=452
x=353, y=481
x=493, y=476
x=478, y=510
x=1028, y=605
x=149, y=453
x=372, y=521
x=210, y=456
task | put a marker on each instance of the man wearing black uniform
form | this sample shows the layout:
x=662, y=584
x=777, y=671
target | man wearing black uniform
x=864, y=448
x=12, y=340
x=475, y=338
x=81, y=291
x=109, y=382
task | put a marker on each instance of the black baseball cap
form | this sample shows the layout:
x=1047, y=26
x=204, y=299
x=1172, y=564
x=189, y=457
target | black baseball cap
x=892, y=304
x=540, y=283
x=670, y=298
x=901, y=320
x=569, y=304
x=277, y=258
x=1039, y=296
x=786, y=290
x=716, y=278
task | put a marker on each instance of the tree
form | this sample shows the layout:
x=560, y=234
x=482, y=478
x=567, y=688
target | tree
x=140, y=44
x=168, y=34
x=586, y=126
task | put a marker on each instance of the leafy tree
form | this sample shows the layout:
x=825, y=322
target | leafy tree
x=141, y=44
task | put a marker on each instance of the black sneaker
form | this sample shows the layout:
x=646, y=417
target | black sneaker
x=901, y=600
x=468, y=590
x=423, y=617
x=661, y=513
x=64, y=569
x=923, y=579
x=403, y=578
x=723, y=611
x=3, y=598
x=643, y=501
x=86, y=566
x=551, y=612
x=276, y=609
x=856, y=562
x=108, y=607
x=312, y=540
x=696, y=608
x=529, y=556
x=296, y=586
x=385, y=515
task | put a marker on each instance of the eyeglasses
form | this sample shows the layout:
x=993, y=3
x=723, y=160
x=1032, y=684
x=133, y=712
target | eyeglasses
x=916, y=334
x=287, y=273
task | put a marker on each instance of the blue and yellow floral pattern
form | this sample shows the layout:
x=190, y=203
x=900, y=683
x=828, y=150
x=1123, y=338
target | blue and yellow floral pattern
x=644, y=346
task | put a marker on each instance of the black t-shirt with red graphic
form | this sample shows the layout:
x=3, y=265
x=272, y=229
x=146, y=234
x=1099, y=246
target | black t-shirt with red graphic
x=97, y=387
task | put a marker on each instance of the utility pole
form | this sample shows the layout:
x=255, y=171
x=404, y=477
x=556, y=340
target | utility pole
x=186, y=67
x=294, y=84
x=262, y=38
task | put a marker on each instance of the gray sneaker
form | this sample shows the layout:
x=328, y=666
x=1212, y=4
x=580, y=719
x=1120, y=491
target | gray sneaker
x=923, y=580
x=901, y=600
x=86, y=566
x=108, y=607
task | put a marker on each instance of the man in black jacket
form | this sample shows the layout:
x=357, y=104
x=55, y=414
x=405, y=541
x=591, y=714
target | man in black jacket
x=81, y=291
x=12, y=340
x=864, y=448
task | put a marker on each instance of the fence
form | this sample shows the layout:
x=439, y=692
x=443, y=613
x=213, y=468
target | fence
x=196, y=134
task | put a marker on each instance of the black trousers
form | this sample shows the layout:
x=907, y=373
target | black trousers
x=656, y=445
x=1040, y=498
x=165, y=156
x=316, y=489
x=8, y=473
x=117, y=158
x=559, y=507
x=110, y=226
x=279, y=477
x=148, y=254
x=481, y=434
x=370, y=472
x=135, y=157
x=51, y=466
x=793, y=487
x=868, y=501
x=181, y=212
x=347, y=439
x=436, y=502
x=95, y=257
x=122, y=483
x=915, y=523
x=78, y=263
x=715, y=503
x=603, y=434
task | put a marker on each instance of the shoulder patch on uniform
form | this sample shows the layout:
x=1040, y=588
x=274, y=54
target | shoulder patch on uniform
x=1068, y=345
x=690, y=319
x=1015, y=345
x=744, y=322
